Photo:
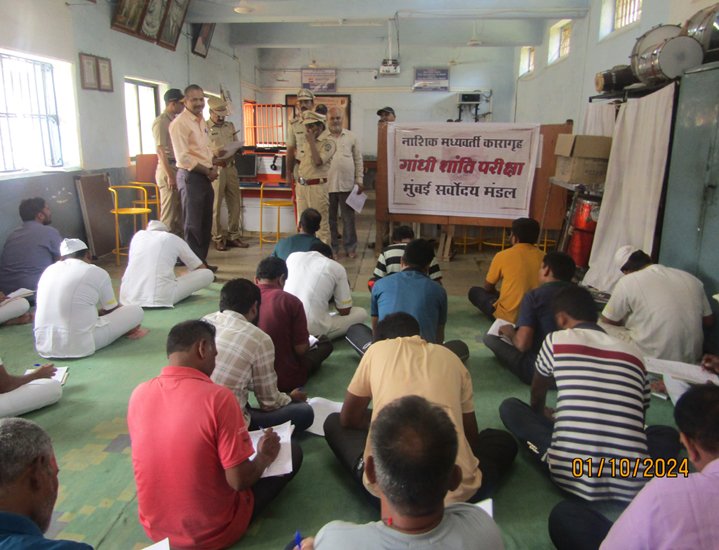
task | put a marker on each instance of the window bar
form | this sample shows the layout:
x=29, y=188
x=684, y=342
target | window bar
x=57, y=158
x=5, y=110
x=139, y=115
x=9, y=128
x=30, y=66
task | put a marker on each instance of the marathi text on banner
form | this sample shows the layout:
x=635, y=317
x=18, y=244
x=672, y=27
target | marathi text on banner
x=473, y=170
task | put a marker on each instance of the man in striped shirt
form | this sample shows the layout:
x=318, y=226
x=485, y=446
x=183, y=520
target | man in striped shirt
x=602, y=396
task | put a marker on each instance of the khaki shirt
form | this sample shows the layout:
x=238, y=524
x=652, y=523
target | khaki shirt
x=347, y=166
x=191, y=141
x=296, y=136
x=161, y=133
x=221, y=135
x=326, y=147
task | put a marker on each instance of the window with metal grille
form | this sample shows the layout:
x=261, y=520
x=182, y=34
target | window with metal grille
x=264, y=124
x=29, y=123
x=626, y=12
x=141, y=109
x=564, y=40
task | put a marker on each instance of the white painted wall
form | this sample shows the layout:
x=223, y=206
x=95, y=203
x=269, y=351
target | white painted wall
x=479, y=68
x=554, y=93
x=53, y=29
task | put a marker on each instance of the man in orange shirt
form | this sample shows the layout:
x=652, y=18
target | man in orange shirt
x=196, y=170
x=518, y=270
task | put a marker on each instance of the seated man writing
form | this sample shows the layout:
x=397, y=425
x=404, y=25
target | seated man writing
x=413, y=292
x=282, y=317
x=67, y=321
x=197, y=480
x=246, y=361
x=30, y=249
x=19, y=396
x=149, y=280
x=401, y=363
x=602, y=397
x=663, y=312
x=390, y=260
x=315, y=278
x=302, y=241
x=675, y=512
x=535, y=320
x=413, y=463
x=516, y=268
x=28, y=488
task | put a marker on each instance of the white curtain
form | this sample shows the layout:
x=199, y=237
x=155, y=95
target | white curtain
x=599, y=120
x=635, y=175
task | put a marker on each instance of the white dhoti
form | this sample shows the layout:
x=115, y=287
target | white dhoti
x=192, y=282
x=12, y=309
x=116, y=323
x=342, y=323
x=31, y=396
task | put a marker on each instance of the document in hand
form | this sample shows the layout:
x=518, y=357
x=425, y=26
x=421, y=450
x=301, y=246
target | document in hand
x=322, y=408
x=60, y=374
x=494, y=329
x=283, y=463
x=356, y=201
x=682, y=371
x=19, y=293
x=231, y=149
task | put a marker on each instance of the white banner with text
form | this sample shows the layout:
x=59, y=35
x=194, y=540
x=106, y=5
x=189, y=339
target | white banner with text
x=481, y=170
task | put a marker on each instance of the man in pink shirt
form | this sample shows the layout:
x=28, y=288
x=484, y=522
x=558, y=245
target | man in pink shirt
x=198, y=482
x=674, y=511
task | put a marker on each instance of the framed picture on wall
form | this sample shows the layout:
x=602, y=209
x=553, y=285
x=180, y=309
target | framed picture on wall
x=88, y=72
x=201, y=38
x=341, y=101
x=151, y=20
x=104, y=75
x=172, y=23
x=128, y=15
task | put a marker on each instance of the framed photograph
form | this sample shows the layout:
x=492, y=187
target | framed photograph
x=201, y=38
x=172, y=23
x=151, y=20
x=128, y=15
x=104, y=75
x=88, y=72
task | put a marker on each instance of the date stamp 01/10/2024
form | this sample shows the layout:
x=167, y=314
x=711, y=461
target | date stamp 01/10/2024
x=630, y=467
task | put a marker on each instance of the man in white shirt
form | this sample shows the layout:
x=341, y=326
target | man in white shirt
x=662, y=310
x=149, y=280
x=315, y=278
x=346, y=170
x=67, y=321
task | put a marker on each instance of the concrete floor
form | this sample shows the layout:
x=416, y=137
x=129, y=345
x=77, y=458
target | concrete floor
x=463, y=272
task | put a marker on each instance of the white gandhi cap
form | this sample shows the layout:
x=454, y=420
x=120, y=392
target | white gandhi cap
x=621, y=256
x=70, y=246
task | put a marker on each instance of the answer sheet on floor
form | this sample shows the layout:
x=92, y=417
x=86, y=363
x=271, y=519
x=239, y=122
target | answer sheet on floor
x=283, y=463
x=323, y=408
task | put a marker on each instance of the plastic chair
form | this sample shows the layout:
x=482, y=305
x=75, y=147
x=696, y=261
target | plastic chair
x=279, y=203
x=134, y=211
x=501, y=244
x=465, y=241
x=151, y=201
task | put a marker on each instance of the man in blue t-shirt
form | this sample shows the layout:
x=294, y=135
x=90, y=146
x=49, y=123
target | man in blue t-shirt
x=301, y=242
x=535, y=320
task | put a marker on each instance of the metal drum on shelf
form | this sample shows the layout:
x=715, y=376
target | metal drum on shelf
x=584, y=224
x=651, y=39
x=615, y=79
x=669, y=59
x=704, y=26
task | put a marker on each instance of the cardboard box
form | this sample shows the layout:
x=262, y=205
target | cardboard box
x=582, y=159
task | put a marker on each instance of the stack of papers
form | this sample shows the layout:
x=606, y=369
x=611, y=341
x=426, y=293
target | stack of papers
x=323, y=408
x=283, y=463
x=60, y=374
x=681, y=371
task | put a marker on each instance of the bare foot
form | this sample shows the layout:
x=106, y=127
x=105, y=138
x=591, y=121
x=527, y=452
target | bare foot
x=24, y=319
x=132, y=331
x=351, y=255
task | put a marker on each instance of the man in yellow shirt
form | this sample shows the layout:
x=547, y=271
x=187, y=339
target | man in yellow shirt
x=518, y=270
x=317, y=153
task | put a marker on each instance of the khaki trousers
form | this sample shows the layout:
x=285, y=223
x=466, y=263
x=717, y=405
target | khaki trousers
x=226, y=186
x=317, y=197
x=170, y=203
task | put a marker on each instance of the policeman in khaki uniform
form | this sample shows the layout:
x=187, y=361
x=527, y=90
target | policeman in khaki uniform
x=296, y=137
x=165, y=176
x=316, y=154
x=227, y=185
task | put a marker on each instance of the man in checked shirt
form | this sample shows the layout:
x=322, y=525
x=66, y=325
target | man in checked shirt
x=246, y=360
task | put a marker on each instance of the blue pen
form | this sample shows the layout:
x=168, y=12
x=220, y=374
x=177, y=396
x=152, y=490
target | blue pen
x=298, y=539
x=36, y=365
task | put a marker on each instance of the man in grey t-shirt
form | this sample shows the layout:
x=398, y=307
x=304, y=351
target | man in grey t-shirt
x=414, y=448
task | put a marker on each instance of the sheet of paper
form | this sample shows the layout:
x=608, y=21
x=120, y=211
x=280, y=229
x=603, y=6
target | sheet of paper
x=323, y=408
x=231, y=149
x=682, y=371
x=488, y=506
x=355, y=201
x=313, y=341
x=20, y=293
x=60, y=374
x=283, y=463
x=494, y=329
x=162, y=545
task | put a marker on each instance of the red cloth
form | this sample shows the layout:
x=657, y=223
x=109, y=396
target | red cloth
x=186, y=431
x=283, y=318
